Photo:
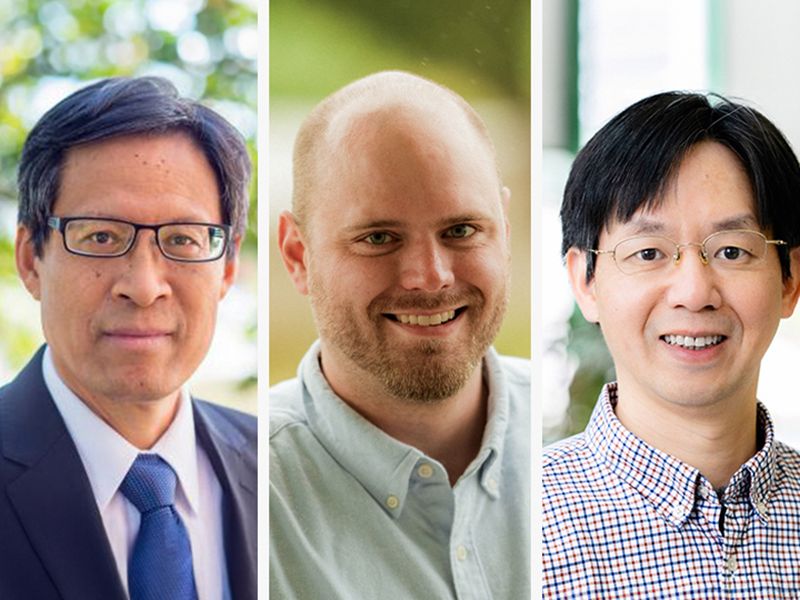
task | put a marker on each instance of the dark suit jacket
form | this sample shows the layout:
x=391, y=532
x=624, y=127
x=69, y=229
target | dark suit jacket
x=52, y=541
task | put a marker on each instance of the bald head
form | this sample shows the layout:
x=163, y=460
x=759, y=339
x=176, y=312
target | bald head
x=382, y=118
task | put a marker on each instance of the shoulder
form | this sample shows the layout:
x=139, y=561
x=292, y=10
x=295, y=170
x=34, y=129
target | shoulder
x=517, y=371
x=227, y=420
x=788, y=461
x=571, y=476
x=286, y=407
x=516, y=377
x=565, y=453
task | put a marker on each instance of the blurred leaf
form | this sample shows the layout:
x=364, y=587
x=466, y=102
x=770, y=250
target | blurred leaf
x=586, y=344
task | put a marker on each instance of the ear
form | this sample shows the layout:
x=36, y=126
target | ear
x=584, y=291
x=505, y=202
x=231, y=268
x=293, y=251
x=791, y=287
x=27, y=261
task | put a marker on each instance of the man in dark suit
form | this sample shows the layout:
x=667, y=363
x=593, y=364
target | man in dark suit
x=116, y=482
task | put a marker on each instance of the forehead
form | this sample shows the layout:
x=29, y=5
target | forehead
x=710, y=190
x=408, y=164
x=148, y=177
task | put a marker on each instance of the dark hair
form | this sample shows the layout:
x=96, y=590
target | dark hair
x=629, y=163
x=128, y=106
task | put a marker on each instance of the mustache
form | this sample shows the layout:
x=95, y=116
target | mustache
x=387, y=303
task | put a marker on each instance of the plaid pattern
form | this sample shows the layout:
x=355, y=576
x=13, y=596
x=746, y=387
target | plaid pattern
x=624, y=520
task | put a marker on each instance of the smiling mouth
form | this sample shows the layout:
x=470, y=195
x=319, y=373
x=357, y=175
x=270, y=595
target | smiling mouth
x=426, y=320
x=693, y=343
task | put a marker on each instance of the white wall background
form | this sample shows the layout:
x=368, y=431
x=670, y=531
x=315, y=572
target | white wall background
x=628, y=50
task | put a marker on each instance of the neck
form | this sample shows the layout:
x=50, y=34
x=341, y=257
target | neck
x=715, y=438
x=449, y=431
x=140, y=423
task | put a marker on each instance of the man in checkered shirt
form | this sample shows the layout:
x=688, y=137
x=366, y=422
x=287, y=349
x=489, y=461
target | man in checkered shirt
x=681, y=227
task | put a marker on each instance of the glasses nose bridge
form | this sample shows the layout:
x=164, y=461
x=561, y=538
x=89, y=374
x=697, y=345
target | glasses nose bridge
x=701, y=246
x=137, y=228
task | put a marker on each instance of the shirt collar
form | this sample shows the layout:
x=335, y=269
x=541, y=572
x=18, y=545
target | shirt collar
x=669, y=485
x=494, y=436
x=382, y=464
x=757, y=477
x=107, y=456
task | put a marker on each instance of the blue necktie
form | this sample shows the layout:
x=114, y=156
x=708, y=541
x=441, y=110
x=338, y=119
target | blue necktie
x=160, y=565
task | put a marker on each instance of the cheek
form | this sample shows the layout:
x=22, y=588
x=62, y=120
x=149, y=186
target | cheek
x=624, y=309
x=72, y=295
x=759, y=308
x=196, y=294
x=349, y=278
x=487, y=270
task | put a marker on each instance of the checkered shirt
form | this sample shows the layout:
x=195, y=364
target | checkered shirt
x=624, y=520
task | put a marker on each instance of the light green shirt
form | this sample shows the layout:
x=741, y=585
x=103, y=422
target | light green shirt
x=356, y=514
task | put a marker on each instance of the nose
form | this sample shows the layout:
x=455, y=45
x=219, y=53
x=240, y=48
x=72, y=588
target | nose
x=426, y=266
x=693, y=284
x=143, y=278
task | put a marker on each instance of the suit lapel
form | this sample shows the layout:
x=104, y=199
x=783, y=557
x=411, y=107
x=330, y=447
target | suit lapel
x=225, y=447
x=53, y=497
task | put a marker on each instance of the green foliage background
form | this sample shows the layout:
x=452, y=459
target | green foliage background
x=479, y=49
x=50, y=48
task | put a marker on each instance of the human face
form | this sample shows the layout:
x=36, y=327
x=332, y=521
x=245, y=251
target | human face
x=134, y=327
x=639, y=313
x=407, y=258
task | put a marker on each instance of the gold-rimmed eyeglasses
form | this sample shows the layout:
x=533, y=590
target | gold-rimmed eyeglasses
x=728, y=250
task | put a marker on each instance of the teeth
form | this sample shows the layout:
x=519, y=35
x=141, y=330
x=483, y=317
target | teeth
x=687, y=341
x=427, y=320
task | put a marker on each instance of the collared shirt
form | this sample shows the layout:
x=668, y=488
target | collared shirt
x=107, y=457
x=354, y=513
x=623, y=519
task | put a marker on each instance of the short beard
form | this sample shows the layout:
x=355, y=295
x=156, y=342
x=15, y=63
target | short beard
x=429, y=372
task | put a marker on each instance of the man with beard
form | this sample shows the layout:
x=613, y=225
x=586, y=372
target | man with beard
x=399, y=455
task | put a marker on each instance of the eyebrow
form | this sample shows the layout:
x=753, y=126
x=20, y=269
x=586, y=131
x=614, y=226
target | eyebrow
x=643, y=225
x=743, y=221
x=394, y=223
x=92, y=214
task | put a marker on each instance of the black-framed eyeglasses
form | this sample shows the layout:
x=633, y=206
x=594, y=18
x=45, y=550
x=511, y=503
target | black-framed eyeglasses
x=109, y=238
x=724, y=251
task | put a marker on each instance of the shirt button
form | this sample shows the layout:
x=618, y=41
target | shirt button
x=492, y=484
x=425, y=471
x=731, y=564
x=392, y=502
x=761, y=507
x=461, y=553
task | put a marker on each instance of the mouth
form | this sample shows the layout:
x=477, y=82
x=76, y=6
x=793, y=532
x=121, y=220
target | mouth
x=689, y=342
x=137, y=339
x=137, y=333
x=429, y=320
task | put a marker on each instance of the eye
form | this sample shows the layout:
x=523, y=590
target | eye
x=379, y=238
x=632, y=254
x=101, y=237
x=181, y=240
x=648, y=254
x=460, y=231
x=732, y=253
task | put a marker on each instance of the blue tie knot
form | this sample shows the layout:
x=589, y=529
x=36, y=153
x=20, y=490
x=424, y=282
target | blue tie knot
x=150, y=483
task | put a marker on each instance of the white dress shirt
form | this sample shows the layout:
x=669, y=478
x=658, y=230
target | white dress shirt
x=107, y=457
